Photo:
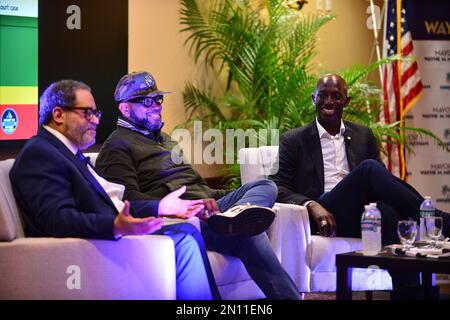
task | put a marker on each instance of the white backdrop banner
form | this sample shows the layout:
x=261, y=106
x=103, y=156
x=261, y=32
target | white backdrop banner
x=428, y=165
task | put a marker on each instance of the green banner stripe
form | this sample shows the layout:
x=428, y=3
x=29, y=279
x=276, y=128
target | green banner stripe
x=18, y=56
x=19, y=21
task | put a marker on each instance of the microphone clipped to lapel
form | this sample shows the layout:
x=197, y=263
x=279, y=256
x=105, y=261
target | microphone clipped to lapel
x=347, y=138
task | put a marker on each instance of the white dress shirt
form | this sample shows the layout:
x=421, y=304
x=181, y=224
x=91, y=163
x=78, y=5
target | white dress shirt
x=114, y=190
x=335, y=164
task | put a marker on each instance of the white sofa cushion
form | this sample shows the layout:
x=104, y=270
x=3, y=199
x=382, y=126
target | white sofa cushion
x=10, y=221
x=322, y=251
x=37, y=268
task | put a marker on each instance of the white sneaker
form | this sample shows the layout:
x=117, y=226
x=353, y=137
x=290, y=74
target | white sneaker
x=242, y=219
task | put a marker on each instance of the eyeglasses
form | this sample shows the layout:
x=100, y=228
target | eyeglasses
x=88, y=112
x=148, y=101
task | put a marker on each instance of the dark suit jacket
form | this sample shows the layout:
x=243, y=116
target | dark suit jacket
x=300, y=175
x=58, y=195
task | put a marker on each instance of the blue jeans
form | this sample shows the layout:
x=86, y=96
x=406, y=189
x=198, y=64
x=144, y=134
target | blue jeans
x=193, y=273
x=255, y=252
x=261, y=193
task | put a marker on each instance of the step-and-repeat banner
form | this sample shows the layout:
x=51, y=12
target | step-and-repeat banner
x=429, y=166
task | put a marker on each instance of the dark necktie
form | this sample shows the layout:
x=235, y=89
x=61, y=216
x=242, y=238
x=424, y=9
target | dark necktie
x=83, y=159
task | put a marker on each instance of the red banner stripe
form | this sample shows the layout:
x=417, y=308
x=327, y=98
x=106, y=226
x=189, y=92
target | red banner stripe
x=412, y=94
x=409, y=73
x=406, y=50
x=27, y=121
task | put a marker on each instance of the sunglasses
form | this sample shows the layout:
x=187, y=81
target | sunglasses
x=88, y=112
x=148, y=101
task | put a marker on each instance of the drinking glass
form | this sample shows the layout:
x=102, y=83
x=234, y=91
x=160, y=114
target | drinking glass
x=407, y=231
x=433, y=228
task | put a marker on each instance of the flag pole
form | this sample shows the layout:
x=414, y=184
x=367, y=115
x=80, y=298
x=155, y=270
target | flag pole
x=403, y=175
x=375, y=34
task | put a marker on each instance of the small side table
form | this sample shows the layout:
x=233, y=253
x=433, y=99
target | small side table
x=384, y=260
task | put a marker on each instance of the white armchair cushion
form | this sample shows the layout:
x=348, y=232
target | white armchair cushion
x=36, y=268
x=323, y=250
x=289, y=235
x=250, y=164
x=135, y=267
x=10, y=223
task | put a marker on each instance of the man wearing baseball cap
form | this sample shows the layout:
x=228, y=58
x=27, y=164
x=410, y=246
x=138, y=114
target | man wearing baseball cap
x=138, y=155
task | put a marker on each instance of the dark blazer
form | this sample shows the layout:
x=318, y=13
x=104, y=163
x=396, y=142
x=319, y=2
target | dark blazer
x=58, y=195
x=300, y=175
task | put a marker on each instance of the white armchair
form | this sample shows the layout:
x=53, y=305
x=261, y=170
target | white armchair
x=73, y=268
x=309, y=259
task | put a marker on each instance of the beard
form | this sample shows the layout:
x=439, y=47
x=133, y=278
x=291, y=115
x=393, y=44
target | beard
x=151, y=124
x=82, y=137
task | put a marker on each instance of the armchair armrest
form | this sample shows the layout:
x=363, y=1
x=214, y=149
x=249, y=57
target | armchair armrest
x=290, y=236
x=72, y=268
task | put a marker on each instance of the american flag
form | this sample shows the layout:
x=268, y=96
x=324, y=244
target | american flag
x=401, y=79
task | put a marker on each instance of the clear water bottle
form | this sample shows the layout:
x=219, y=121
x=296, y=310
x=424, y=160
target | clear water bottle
x=426, y=209
x=371, y=230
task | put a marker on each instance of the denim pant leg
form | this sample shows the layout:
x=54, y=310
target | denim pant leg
x=259, y=259
x=260, y=192
x=192, y=279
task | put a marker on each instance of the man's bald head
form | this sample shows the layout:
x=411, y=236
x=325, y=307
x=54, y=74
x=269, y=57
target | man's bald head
x=332, y=79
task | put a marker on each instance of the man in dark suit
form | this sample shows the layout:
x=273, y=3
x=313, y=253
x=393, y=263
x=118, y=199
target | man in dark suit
x=332, y=167
x=62, y=195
